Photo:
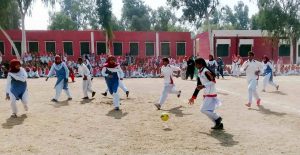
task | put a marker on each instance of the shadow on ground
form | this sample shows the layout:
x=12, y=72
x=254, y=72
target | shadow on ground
x=11, y=122
x=117, y=114
x=225, y=139
x=177, y=111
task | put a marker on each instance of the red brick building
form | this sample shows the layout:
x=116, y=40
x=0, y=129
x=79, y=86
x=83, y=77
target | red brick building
x=226, y=43
x=76, y=43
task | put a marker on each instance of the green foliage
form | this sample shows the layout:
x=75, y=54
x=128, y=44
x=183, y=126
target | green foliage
x=135, y=15
x=195, y=11
x=61, y=21
x=9, y=14
x=162, y=19
x=105, y=15
x=241, y=14
x=280, y=18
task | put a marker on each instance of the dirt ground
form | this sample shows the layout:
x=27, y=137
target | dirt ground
x=92, y=127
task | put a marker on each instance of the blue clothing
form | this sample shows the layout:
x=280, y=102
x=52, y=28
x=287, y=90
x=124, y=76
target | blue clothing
x=268, y=70
x=112, y=82
x=18, y=88
x=61, y=75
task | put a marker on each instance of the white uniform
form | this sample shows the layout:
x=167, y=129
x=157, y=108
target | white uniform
x=267, y=76
x=169, y=87
x=20, y=76
x=86, y=84
x=119, y=71
x=211, y=102
x=59, y=87
x=250, y=67
x=236, y=68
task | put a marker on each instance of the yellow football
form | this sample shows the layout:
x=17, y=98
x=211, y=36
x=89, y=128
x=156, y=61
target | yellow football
x=164, y=116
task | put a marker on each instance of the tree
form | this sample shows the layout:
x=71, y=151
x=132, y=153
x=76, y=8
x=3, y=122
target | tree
x=281, y=19
x=24, y=6
x=9, y=14
x=254, y=24
x=135, y=15
x=162, y=19
x=195, y=11
x=116, y=25
x=61, y=21
x=82, y=12
x=105, y=15
x=228, y=16
x=242, y=17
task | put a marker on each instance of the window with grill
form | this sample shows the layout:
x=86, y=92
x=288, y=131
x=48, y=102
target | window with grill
x=180, y=48
x=222, y=50
x=84, y=48
x=117, y=49
x=244, y=50
x=298, y=50
x=134, y=49
x=284, y=50
x=18, y=46
x=165, y=49
x=33, y=47
x=50, y=47
x=149, y=49
x=68, y=48
x=2, y=47
x=101, y=48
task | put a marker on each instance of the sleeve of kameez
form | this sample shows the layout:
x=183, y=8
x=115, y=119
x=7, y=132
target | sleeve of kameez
x=196, y=92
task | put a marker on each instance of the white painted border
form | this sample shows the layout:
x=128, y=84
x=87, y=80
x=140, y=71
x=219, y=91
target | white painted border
x=223, y=41
x=246, y=42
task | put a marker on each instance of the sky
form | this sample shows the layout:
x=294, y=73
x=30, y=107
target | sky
x=39, y=17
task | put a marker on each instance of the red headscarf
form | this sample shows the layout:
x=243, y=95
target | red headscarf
x=13, y=64
x=110, y=65
x=266, y=59
x=57, y=59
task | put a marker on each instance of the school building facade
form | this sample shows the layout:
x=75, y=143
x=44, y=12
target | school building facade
x=76, y=43
x=226, y=43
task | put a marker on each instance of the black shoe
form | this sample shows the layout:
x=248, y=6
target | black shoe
x=127, y=94
x=13, y=115
x=93, y=94
x=104, y=94
x=219, y=127
x=117, y=108
x=218, y=123
x=70, y=98
x=85, y=98
x=158, y=106
x=178, y=95
x=54, y=100
x=92, y=79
